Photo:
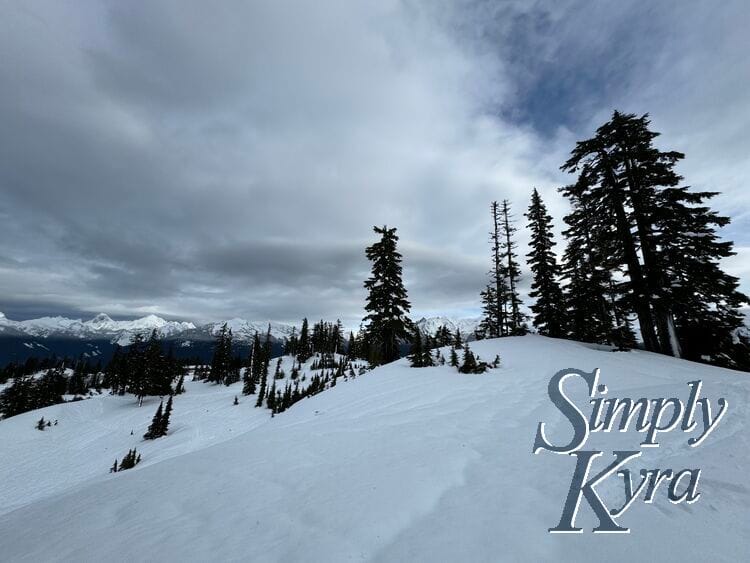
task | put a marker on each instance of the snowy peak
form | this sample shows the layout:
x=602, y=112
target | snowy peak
x=430, y=325
x=102, y=325
x=245, y=330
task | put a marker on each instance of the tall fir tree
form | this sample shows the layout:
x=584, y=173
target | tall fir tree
x=222, y=356
x=664, y=236
x=516, y=319
x=494, y=297
x=304, y=342
x=548, y=309
x=387, y=302
x=154, y=429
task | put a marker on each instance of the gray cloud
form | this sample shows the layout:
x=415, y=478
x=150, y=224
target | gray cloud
x=205, y=162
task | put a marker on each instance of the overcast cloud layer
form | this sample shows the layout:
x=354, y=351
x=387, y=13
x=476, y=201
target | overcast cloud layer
x=205, y=161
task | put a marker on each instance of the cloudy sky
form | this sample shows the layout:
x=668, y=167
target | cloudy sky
x=209, y=160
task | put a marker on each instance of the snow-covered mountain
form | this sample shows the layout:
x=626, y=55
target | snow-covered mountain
x=103, y=326
x=430, y=325
x=100, y=326
x=401, y=464
x=245, y=330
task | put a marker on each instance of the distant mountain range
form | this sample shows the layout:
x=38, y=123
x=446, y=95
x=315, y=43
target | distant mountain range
x=96, y=338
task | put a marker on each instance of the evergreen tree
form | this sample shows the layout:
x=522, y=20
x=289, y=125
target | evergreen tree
x=154, y=429
x=164, y=424
x=515, y=318
x=18, y=397
x=549, y=310
x=494, y=297
x=77, y=381
x=493, y=315
x=135, y=368
x=387, y=304
x=416, y=358
x=304, y=342
x=469, y=364
x=157, y=371
x=180, y=388
x=664, y=236
x=454, y=357
x=262, y=392
x=220, y=363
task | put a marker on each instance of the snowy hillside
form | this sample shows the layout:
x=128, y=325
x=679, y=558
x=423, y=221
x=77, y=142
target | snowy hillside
x=401, y=464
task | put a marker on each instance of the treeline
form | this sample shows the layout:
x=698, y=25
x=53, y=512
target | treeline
x=640, y=249
x=32, y=365
x=642, y=252
x=324, y=343
x=62, y=377
x=143, y=369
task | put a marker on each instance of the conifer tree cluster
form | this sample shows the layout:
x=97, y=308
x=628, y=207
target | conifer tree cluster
x=27, y=393
x=41, y=424
x=129, y=460
x=421, y=351
x=501, y=303
x=470, y=363
x=387, y=306
x=143, y=369
x=640, y=245
x=160, y=423
x=223, y=369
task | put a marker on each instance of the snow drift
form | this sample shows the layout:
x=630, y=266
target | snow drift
x=400, y=464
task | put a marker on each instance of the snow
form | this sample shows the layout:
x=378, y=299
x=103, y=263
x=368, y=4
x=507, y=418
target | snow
x=103, y=326
x=398, y=465
x=100, y=325
x=246, y=330
x=430, y=325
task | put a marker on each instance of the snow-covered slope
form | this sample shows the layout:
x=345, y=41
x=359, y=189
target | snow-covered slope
x=398, y=465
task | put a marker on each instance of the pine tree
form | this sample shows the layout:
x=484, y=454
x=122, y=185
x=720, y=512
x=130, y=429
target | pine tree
x=180, y=388
x=493, y=317
x=469, y=364
x=454, y=357
x=154, y=429
x=77, y=381
x=135, y=368
x=549, y=310
x=262, y=392
x=387, y=304
x=271, y=401
x=222, y=355
x=416, y=358
x=585, y=266
x=494, y=297
x=664, y=236
x=164, y=424
x=515, y=318
x=304, y=342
